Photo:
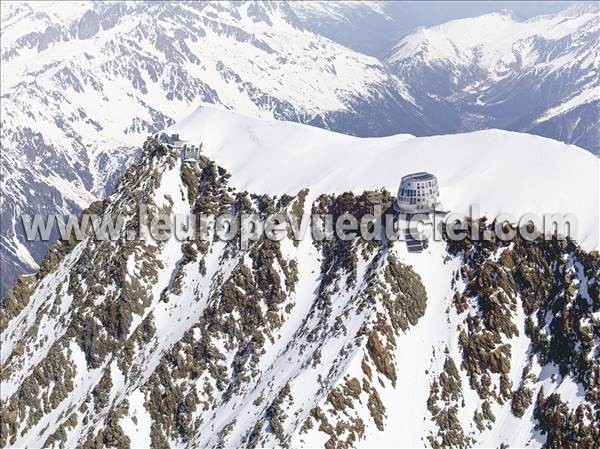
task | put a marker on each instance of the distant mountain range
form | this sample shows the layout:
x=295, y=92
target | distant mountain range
x=538, y=76
x=84, y=83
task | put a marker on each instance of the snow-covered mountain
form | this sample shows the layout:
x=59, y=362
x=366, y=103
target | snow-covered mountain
x=338, y=343
x=81, y=82
x=538, y=76
x=367, y=27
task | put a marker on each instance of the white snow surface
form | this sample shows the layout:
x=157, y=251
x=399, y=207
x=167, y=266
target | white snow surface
x=587, y=96
x=500, y=171
x=91, y=99
x=495, y=41
x=337, y=11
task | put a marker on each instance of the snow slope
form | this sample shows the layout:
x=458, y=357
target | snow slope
x=497, y=41
x=82, y=82
x=501, y=171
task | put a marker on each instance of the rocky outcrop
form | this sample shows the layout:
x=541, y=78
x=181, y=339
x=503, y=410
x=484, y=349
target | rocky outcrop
x=556, y=286
x=206, y=343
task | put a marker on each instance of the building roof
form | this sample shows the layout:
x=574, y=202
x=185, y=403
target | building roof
x=420, y=176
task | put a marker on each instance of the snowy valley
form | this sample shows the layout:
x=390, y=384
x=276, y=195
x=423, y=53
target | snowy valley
x=538, y=76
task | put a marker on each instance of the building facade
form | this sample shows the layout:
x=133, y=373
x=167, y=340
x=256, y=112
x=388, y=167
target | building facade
x=418, y=193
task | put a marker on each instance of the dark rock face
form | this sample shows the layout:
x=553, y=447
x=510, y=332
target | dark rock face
x=89, y=25
x=447, y=390
x=559, y=290
x=246, y=309
x=52, y=34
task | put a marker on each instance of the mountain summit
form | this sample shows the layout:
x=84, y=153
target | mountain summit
x=202, y=343
x=83, y=83
x=538, y=76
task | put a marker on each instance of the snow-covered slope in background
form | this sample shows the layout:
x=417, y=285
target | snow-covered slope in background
x=201, y=344
x=366, y=27
x=501, y=171
x=539, y=75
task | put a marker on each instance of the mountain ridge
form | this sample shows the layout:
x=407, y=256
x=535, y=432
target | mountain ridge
x=83, y=85
x=538, y=76
x=200, y=343
x=88, y=105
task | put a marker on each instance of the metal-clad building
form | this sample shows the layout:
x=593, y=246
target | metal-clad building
x=418, y=193
x=191, y=152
